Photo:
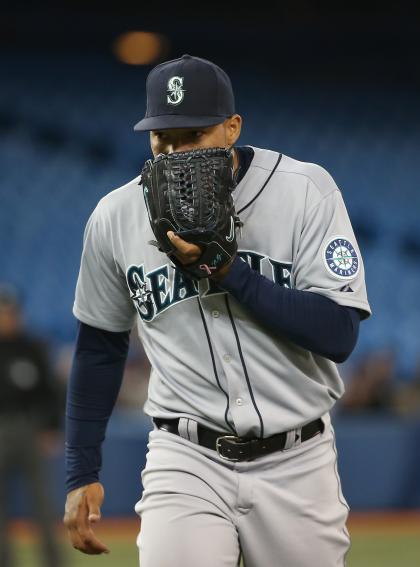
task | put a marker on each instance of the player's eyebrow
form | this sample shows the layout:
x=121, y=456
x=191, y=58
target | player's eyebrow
x=182, y=131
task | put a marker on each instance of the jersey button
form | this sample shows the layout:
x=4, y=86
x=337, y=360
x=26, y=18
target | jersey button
x=227, y=357
x=239, y=401
x=215, y=313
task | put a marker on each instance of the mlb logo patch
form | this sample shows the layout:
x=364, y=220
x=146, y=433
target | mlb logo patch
x=340, y=258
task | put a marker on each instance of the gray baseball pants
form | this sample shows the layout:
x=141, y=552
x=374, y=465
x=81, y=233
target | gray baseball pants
x=285, y=509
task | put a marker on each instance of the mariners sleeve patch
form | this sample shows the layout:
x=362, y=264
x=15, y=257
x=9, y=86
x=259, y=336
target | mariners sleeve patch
x=341, y=259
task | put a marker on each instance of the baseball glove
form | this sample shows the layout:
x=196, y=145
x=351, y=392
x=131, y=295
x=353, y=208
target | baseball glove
x=190, y=193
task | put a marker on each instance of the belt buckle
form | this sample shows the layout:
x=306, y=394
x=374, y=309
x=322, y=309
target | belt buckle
x=229, y=440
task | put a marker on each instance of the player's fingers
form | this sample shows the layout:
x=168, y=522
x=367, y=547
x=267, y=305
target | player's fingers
x=74, y=538
x=182, y=245
x=82, y=510
x=94, y=499
x=187, y=252
x=89, y=514
x=88, y=542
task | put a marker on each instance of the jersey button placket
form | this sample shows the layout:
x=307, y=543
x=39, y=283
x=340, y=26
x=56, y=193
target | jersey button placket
x=226, y=350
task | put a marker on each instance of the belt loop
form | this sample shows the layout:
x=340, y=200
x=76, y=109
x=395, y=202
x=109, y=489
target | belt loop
x=183, y=427
x=298, y=437
x=291, y=438
x=187, y=428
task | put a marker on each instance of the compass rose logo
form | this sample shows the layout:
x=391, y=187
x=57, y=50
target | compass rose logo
x=175, y=91
x=141, y=296
x=341, y=259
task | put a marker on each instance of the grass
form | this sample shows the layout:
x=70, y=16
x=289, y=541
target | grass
x=385, y=550
x=379, y=541
x=123, y=554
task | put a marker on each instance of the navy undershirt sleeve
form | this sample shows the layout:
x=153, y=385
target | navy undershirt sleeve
x=94, y=383
x=308, y=319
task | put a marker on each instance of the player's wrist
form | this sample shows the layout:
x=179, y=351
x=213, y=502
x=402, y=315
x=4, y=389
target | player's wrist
x=223, y=272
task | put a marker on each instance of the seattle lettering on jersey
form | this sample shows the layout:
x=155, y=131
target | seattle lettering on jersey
x=153, y=292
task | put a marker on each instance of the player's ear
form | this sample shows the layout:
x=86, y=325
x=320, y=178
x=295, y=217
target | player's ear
x=233, y=126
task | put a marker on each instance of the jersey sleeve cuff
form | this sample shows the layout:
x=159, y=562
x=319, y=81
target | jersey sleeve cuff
x=100, y=324
x=346, y=300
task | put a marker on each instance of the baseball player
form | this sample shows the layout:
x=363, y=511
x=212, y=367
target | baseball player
x=241, y=460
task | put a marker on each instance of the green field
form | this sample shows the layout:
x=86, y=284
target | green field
x=385, y=551
x=370, y=548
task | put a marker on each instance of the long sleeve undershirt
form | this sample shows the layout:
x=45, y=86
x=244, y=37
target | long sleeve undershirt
x=308, y=319
x=94, y=383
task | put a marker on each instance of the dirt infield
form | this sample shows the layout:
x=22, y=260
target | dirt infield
x=406, y=522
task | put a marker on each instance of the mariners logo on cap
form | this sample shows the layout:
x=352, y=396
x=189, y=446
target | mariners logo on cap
x=341, y=258
x=175, y=90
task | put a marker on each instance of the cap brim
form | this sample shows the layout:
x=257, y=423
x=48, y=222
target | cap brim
x=165, y=122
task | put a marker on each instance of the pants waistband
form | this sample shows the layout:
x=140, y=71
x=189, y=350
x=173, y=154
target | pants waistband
x=235, y=448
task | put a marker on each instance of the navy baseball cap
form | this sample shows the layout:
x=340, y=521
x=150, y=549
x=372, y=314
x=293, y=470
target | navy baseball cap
x=185, y=93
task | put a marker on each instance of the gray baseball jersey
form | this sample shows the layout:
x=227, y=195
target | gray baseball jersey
x=211, y=360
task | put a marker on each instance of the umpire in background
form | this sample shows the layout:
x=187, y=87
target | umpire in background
x=30, y=409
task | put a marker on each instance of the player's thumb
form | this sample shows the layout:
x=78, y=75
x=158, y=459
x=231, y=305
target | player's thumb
x=94, y=499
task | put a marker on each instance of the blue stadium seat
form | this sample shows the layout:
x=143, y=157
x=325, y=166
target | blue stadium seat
x=50, y=181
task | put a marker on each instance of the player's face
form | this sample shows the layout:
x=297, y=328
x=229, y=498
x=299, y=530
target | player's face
x=222, y=135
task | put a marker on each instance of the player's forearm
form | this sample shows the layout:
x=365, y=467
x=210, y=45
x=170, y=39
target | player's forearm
x=310, y=320
x=94, y=383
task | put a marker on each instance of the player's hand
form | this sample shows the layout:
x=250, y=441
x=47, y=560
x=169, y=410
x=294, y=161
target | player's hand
x=187, y=253
x=82, y=510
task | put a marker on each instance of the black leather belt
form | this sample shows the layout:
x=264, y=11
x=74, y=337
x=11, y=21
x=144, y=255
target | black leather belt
x=235, y=448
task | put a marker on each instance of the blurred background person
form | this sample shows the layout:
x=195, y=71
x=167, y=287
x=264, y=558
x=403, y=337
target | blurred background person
x=31, y=407
x=371, y=386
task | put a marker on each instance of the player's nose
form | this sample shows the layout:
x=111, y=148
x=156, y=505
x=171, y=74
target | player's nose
x=180, y=147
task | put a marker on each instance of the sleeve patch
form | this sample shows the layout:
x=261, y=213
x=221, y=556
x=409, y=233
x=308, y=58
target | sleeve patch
x=340, y=258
